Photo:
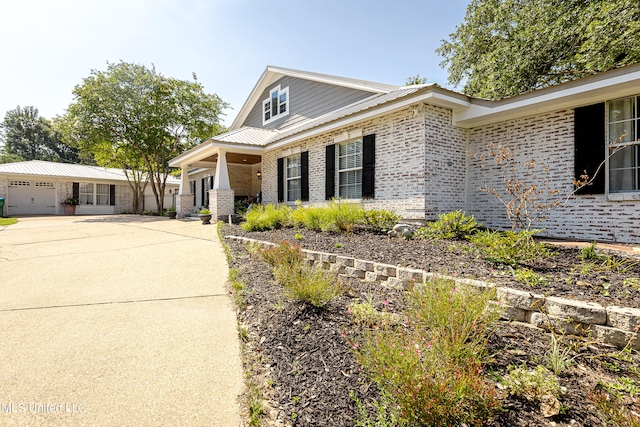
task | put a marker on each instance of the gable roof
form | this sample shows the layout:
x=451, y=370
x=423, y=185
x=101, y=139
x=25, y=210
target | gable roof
x=67, y=170
x=271, y=74
x=467, y=112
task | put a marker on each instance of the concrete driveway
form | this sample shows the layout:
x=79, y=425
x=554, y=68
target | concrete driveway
x=116, y=321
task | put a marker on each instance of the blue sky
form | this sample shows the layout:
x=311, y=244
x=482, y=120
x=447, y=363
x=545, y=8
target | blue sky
x=49, y=46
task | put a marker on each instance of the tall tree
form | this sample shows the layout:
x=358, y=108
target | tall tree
x=135, y=117
x=27, y=136
x=415, y=80
x=506, y=47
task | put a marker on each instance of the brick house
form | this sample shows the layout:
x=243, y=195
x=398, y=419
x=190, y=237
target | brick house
x=312, y=137
x=38, y=187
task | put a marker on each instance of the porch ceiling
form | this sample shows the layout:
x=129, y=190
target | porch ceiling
x=243, y=159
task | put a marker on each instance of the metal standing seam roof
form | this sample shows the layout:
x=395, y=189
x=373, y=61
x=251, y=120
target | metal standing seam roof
x=247, y=135
x=67, y=170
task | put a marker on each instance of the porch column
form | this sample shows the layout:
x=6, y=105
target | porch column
x=221, y=196
x=221, y=180
x=184, y=180
x=184, y=199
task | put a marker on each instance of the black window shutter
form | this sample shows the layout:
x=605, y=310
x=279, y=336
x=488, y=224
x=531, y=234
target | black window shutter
x=368, y=166
x=304, y=176
x=280, y=180
x=330, y=172
x=192, y=190
x=112, y=195
x=589, y=139
x=76, y=190
x=211, y=183
x=202, y=193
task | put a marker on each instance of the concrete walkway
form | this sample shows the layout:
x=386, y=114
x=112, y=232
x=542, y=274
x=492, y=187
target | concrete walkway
x=116, y=321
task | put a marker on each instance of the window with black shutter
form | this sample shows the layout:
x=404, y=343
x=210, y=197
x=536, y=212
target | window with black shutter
x=589, y=144
x=330, y=172
x=368, y=166
x=280, y=180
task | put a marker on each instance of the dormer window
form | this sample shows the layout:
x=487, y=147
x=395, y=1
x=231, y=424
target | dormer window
x=276, y=105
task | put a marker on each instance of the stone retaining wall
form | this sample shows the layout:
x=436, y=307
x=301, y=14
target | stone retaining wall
x=614, y=325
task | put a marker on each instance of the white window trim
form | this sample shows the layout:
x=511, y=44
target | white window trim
x=94, y=186
x=108, y=194
x=339, y=171
x=296, y=178
x=625, y=195
x=268, y=100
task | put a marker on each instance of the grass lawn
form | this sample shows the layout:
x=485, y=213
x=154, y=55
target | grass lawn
x=7, y=221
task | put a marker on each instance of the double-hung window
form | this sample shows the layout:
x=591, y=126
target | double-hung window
x=86, y=193
x=276, y=105
x=102, y=194
x=294, y=178
x=350, y=170
x=623, y=144
x=94, y=194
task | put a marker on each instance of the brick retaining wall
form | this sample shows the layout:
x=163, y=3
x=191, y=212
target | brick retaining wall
x=611, y=325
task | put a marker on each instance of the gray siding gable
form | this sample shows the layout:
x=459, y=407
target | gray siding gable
x=307, y=100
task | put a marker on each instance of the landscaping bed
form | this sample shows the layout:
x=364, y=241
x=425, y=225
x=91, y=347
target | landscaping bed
x=565, y=275
x=302, y=359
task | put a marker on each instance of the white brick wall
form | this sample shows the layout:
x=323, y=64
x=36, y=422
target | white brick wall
x=549, y=139
x=445, y=163
x=399, y=141
x=423, y=168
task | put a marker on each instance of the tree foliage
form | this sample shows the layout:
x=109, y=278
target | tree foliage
x=138, y=119
x=415, y=80
x=506, y=47
x=27, y=136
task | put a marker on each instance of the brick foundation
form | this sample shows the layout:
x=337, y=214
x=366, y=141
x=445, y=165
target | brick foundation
x=221, y=203
x=184, y=205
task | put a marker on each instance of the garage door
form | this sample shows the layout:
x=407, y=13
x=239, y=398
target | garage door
x=31, y=198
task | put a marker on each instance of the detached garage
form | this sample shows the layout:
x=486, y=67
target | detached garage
x=38, y=188
x=31, y=197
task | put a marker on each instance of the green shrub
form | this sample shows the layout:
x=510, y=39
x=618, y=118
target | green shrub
x=430, y=367
x=529, y=277
x=532, y=384
x=337, y=216
x=458, y=316
x=310, y=285
x=509, y=247
x=590, y=253
x=379, y=220
x=452, y=225
x=269, y=217
x=310, y=217
x=284, y=252
x=302, y=283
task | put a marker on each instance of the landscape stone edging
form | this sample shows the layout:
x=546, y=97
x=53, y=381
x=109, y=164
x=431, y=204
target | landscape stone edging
x=614, y=325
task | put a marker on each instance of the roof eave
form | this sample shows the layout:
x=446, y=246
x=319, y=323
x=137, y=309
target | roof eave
x=210, y=148
x=271, y=74
x=589, y=90
x=432, y=95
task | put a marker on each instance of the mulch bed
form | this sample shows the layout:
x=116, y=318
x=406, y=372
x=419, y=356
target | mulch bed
x=308, y=374
x=562, y=270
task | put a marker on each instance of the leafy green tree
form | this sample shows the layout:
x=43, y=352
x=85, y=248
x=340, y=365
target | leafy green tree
x=415, y=80
x=132, y=116
x=506, y=47
x=27, y=136
x=10, y=158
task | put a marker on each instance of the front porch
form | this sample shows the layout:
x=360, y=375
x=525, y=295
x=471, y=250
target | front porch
x=215, y=177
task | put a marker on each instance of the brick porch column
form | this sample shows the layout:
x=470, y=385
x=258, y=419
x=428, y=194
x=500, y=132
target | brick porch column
x=221, y=203
x=184, y=205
